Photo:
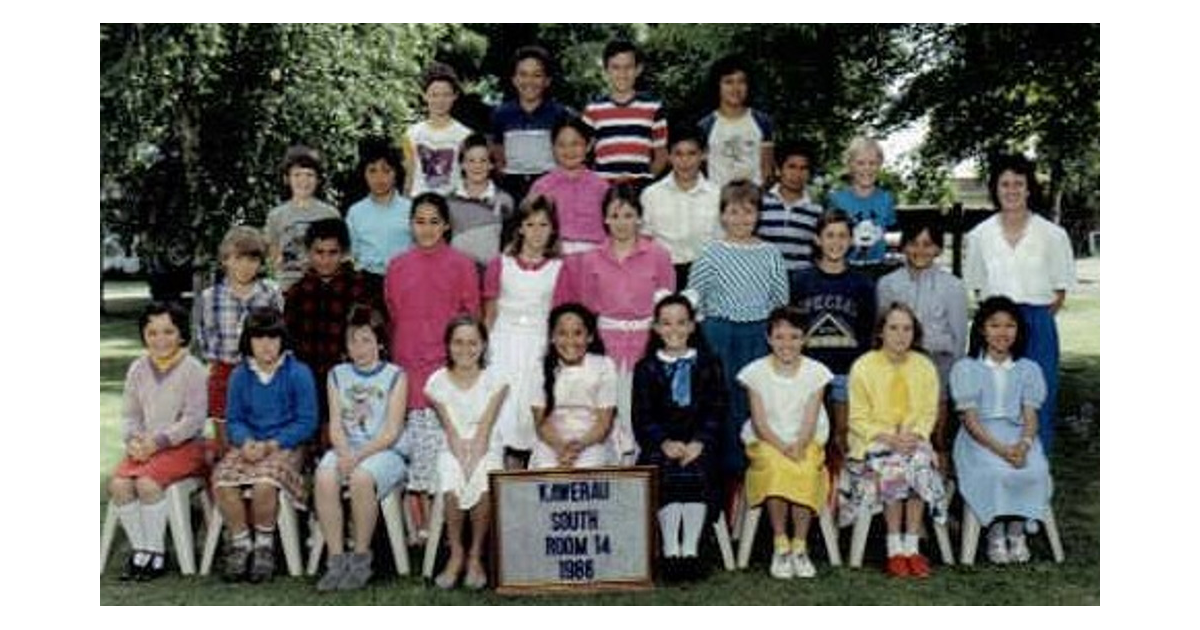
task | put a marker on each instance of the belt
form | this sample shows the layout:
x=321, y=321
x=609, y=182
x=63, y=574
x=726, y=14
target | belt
x=624, y=325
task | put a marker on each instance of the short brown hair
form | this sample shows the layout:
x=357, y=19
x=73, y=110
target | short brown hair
x=242, y=240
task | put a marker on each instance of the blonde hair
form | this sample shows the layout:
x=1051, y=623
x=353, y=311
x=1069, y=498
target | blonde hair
x=859, y=145
x=242, y=240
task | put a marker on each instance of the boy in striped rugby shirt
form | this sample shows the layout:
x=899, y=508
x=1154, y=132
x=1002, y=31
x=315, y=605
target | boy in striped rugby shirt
x=631, y=127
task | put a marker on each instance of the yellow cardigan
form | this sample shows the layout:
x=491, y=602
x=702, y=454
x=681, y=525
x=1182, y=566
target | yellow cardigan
x=870, y=414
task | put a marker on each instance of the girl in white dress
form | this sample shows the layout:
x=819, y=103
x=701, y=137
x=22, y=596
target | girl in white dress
x=467, y=398
x=519, y=288
x=575, y=398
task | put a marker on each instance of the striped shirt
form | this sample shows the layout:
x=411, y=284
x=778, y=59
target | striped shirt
x=739, y=282
x=626, y=135
x=792, y=227
x=221, y=313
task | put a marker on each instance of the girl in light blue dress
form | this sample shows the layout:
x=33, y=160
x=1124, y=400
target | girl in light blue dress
x=1002, y=470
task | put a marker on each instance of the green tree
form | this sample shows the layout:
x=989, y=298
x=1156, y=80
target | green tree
x=195, y=118
x=1011, y=87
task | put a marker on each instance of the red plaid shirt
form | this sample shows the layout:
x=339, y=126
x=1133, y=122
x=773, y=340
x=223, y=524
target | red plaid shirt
x=316, y=312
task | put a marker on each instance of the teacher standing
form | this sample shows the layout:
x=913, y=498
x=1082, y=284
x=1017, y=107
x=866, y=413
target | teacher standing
x=1020, y=254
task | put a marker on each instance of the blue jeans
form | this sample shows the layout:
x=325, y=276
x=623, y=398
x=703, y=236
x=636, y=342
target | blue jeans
x=736, y=344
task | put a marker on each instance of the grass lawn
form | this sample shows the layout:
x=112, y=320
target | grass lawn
x=1076, y=466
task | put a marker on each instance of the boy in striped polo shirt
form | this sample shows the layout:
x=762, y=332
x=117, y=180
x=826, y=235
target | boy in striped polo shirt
x=789, y=216
x=631, y=127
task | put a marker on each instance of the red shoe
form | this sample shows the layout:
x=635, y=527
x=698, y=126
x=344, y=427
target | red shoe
x=897, y=566
x=918, y=566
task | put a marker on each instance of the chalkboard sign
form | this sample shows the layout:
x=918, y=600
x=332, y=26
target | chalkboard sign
x=569, y=530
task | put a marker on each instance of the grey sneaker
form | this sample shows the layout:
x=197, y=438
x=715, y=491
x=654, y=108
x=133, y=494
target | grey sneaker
x=236, y=563
x=334, y=572
x=262, y=565
x=357, y=572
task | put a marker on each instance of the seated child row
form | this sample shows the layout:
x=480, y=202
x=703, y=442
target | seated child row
x=680, y=401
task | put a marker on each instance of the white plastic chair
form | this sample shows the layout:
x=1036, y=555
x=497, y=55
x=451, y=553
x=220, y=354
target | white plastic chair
x=970, y=535
x=390, y=508
x=862, y=526
x=749, y=530
x=288, y=528
x=179, y=522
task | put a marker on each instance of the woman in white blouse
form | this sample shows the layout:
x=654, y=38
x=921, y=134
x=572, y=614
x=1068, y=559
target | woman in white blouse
x=1020, y=254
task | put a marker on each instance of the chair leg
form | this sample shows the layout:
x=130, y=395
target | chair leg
x=829, y=532
x=289, y=534
x=436, y=520
x=721, y=528
x=317, y=540
x=746, y=542
x=1052, y=533
x=943, y=540
x=858, y=539
x=739, y=507
x=179, y=502
x=394, y=521
x=970, y=536
x=108, y=534
x=216, y=522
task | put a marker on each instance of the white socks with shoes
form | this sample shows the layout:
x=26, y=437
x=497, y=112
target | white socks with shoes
x=670, y=518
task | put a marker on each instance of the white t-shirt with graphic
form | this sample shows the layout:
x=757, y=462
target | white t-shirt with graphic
x=435, y=156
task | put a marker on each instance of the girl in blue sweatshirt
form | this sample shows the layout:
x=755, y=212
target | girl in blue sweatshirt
x=271, y=413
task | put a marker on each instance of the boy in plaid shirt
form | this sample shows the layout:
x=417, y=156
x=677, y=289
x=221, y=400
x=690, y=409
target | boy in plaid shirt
x=222, y=309
x=319, y=303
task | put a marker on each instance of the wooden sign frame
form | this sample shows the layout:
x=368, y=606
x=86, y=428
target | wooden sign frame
x=642, y=581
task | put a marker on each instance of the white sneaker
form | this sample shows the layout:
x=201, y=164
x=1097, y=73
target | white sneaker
x=802, y=567
x=997, y=550
x=781, y=566
x=1018, y=550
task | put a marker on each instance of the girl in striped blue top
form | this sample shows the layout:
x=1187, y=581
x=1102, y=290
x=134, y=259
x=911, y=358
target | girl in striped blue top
x=740, y=280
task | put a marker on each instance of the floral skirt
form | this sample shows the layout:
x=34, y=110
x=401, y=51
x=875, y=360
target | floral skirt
x=885, y=476
x=422, y=442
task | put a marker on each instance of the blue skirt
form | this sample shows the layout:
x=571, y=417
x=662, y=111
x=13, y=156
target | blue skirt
x=1041, y=347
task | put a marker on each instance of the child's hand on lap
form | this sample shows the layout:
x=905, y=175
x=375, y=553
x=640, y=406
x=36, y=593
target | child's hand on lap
x=691, y=452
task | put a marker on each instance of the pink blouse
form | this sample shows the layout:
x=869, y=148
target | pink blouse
x=621, y=293
x=578, y=199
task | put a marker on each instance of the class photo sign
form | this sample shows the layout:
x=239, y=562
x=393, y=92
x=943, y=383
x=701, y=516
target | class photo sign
x=572, y=530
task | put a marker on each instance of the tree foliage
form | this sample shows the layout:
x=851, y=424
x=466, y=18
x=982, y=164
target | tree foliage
x=194, y=119
x=988, y=89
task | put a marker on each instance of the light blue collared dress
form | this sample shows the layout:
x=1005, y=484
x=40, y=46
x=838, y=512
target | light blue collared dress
x=990, y=485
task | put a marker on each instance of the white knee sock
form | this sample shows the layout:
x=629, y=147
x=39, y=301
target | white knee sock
x=693, y=527
x=154, y=522
x=130, y=515
x=895, y=545
x=670, y=517
x=910, y=544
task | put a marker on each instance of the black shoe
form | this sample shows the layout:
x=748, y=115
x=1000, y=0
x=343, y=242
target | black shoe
x=237, y=564
x=156, y=568
x=262, y=567
x=131, y=571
